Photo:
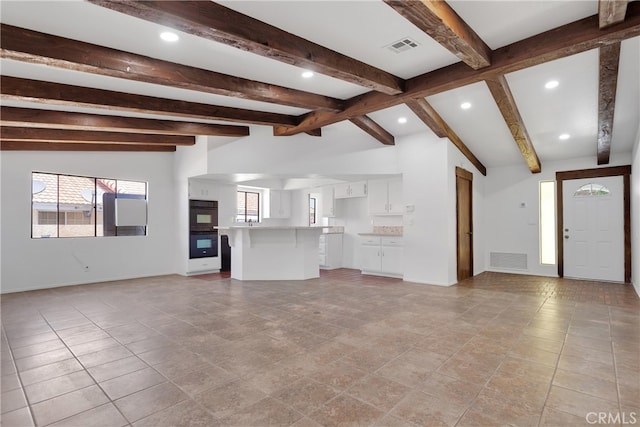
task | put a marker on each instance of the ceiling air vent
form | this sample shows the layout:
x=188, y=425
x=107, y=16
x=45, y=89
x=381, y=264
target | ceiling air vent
x=402, y=45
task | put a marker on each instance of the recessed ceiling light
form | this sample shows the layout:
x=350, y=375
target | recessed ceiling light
x=551, y=84
x=168, y=36
x=564, y=136
x=402, y=120
x=307, y=74
x=465, y=105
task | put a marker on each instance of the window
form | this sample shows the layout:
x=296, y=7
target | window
x=591, y=190
x=80, y=206
x=76, y=211
x=248, y=206
x=547, y=222
x=312, y=210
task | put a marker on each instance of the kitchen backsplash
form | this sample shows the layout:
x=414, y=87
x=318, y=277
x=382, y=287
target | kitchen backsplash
x=388, y=229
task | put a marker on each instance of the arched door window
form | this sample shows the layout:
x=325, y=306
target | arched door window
x=590, y=190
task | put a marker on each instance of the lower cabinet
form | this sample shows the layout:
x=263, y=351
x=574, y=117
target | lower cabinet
x=391, y=261
x=370, y=258
x=381, y=256
x=203, y=265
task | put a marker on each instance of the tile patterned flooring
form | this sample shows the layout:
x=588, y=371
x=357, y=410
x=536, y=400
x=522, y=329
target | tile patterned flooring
x=343, y=349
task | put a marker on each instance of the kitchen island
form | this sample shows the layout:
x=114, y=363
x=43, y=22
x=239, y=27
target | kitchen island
x=273, y=253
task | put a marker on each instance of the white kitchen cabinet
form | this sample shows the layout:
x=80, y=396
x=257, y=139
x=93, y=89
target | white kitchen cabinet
x=204, y=265
x=279, y=204
x=381, y=256
x=328, y=202
x=370, y=261
x=330, y=251
x=385, y=197
x=377, y=199
x=391, y=255
x=351, y=189
x=395, y=196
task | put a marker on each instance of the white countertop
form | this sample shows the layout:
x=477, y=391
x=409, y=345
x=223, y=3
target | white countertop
x=381, y=234
x=267, y=227
x=326, y=230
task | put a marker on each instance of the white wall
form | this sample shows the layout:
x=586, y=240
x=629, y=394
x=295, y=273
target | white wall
x=423, y=161
x=43, y=263
x=302, y=155
x=510, y=228
x=635, y=215
x=188, y=161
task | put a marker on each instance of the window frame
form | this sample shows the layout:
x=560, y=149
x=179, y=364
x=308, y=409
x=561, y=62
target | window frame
x=62, y=217
x=600, y=191
x=246, y=192
x=313, y=210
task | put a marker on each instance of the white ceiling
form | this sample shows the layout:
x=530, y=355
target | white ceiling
x=363, y=29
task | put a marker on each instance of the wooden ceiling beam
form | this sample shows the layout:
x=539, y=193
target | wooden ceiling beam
x=38, y=48
x=428, y=115
x=567, y=40
x=374, y=129
x=499, y=88
x=14, y=88
x=39, y=118
x=609, y=58
x=90, y=136
x=611, y=12
x=436, y=123
x=437, y=19
x=8, y=145
x=315, y=132
x=223, y=25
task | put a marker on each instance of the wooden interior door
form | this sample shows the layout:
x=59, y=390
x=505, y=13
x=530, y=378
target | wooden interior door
x=464, y=223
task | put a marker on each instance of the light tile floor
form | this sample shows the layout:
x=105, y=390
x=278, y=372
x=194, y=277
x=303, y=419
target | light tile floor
x=343, y=349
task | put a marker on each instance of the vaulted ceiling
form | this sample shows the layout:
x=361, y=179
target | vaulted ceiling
x=94, y=75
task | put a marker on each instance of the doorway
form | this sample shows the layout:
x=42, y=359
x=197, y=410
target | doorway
x=464, y=223
x=593, y=230
x=594, y=224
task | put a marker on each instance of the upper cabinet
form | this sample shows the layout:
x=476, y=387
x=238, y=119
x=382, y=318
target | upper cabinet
x=279, y=204
x=395, y=196
x=385, y=197
x=328, y=203
x=351, y=189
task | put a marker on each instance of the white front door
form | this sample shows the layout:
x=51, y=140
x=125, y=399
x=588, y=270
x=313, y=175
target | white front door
x=594, y=228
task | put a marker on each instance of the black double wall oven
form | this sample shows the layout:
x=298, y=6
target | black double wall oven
x=203, y=237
